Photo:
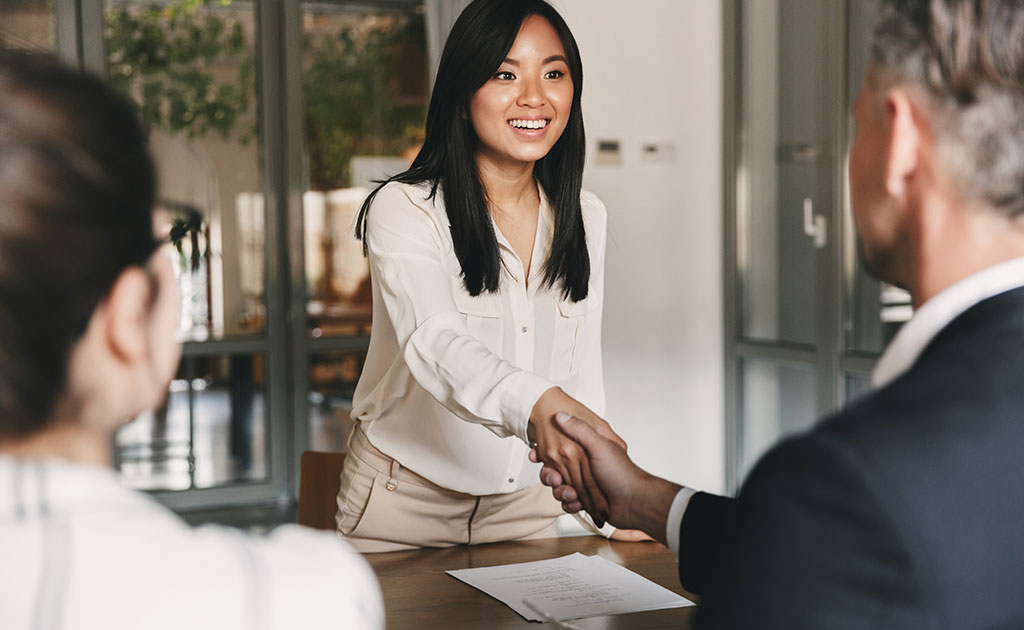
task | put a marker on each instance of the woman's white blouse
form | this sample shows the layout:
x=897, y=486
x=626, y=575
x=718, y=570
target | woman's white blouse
x=450, y=379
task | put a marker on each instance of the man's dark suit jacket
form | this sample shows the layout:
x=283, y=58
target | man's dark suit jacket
x=906, y=510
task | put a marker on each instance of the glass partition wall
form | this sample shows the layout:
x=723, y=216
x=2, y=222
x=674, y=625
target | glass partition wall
x=269, y=121
x=805, y=323
x=364, y=84
x=191, y=71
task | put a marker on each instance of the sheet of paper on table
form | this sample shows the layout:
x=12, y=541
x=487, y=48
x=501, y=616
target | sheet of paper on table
x=570, y=587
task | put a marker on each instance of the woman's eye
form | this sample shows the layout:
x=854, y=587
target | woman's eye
x=504, y=76
x=554, y=74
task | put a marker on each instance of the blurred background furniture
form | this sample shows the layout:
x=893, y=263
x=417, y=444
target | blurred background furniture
x=319, y=483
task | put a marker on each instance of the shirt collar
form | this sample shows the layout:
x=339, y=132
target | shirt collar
x=938, y=312
x=547, y=215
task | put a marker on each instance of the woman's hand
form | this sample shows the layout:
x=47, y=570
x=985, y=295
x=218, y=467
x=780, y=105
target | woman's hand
x=561, y=453
x=630, y=535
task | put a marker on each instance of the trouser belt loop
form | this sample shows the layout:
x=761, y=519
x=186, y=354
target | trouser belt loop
x=392, y=483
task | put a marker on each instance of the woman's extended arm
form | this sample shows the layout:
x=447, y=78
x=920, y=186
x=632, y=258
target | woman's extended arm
x=552, y=443
x=407, y=252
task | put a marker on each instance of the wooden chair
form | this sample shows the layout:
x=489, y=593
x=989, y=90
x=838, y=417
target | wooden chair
x=319, y=483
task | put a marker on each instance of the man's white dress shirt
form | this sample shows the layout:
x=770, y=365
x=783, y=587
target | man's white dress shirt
x=908, y=344
x=80, y=551
x=450, y=379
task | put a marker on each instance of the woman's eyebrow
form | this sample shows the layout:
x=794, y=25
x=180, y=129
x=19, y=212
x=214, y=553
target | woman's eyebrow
x=552, y=58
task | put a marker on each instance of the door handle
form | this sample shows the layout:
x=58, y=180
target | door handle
x=815, y=225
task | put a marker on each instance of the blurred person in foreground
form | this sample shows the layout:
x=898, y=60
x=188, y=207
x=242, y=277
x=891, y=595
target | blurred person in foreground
x=88, y=310
x=905, y=510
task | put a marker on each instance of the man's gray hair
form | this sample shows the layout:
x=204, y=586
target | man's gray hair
x=968, y=55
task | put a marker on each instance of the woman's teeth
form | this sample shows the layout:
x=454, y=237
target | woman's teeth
x=529, y=124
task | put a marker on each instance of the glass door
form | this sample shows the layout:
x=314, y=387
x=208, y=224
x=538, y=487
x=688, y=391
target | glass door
x=364, y=90
x=269, y=121
x=782, y=233
x=805, y=322
x=355, y=91
x=191, y=68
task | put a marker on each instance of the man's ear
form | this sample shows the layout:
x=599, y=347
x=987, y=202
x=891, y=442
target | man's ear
x=904, y=141
x=126, y=312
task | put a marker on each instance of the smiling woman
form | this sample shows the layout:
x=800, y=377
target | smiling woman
x=521, y=111
x=487, y=269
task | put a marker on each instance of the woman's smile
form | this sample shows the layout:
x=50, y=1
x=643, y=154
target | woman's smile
x=530, y=128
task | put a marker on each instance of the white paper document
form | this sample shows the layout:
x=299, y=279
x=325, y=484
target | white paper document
x=570, y=587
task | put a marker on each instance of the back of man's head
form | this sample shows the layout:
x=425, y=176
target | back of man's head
x=967, y=58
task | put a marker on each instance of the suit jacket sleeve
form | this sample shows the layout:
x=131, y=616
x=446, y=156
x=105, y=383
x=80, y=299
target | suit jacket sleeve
x=811, y=545
x=704, y=536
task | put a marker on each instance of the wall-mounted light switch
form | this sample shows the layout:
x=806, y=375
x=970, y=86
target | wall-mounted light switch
x=658, y=152
x=609, y=153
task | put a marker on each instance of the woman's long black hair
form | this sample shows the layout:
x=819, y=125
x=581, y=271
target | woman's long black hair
x=477, y=45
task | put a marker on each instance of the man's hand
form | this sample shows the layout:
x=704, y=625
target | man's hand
x=564, y=455
x=636, y=499
x=618, y=478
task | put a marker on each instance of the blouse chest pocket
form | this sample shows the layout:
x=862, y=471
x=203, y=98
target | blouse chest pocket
x=483, y=316
x=567, y=349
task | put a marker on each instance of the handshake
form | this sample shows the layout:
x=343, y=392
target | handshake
x=586, y=465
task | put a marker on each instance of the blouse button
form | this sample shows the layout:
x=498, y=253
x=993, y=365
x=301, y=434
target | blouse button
x=524, y=328
x=511, y=479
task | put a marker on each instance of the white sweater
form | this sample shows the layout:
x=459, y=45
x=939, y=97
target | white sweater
x=79, y=551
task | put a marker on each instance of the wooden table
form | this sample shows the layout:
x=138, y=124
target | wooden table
x=419, y=595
